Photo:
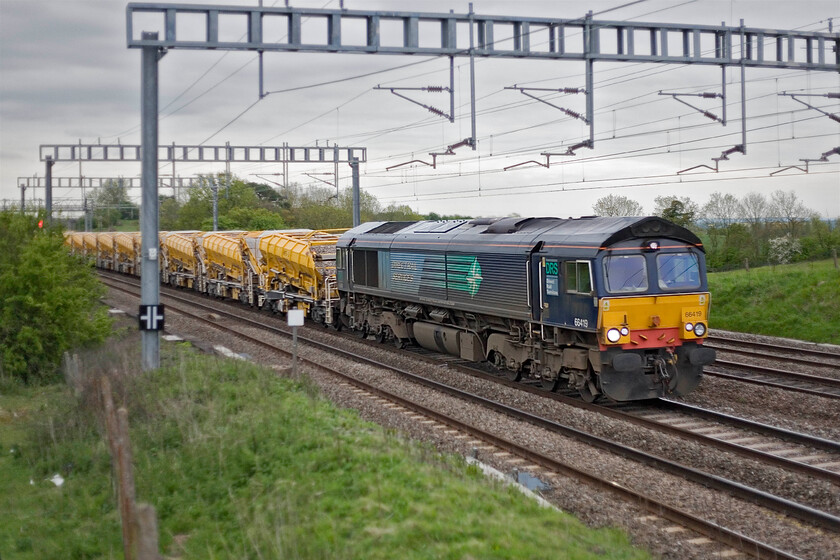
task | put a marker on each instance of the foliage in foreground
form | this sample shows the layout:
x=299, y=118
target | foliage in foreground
x=795, y=301
x=242, y=464
x=48, y=300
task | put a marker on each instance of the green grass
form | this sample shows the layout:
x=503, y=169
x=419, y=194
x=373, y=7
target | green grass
x=795, y=301
x=242, y=464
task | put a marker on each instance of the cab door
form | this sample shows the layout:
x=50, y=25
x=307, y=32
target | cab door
x=566, y=294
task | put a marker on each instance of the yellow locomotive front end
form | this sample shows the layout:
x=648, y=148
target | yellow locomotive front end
x=653, y=318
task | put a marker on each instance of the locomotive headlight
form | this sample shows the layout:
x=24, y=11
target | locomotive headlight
x=613, y=335
x=699, y=329
x=689, y=327
x=625, y=331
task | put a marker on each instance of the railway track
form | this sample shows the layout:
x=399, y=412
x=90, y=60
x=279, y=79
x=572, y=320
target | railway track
x=806, y=354
x=686, y=519
x=794, y=451
x=815, y=385
x=747, y=371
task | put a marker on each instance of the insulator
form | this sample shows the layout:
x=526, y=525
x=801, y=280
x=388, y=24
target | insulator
x=436, y=111
x=571, y=90
x=833, y=95
x=573, y=114
x=710, y=115
x=435, y=89
x=834, y=118
x=707, y=95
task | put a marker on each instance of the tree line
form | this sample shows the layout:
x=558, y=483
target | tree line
x=247, y=206
x=754, y=229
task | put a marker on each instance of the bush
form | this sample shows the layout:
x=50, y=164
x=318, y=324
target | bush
x=48, y=300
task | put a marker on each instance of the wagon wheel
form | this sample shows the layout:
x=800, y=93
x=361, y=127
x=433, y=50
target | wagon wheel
x=399, y=343
x=382, y=335
x=548, y=384
x=362, y=332
x=512, y=374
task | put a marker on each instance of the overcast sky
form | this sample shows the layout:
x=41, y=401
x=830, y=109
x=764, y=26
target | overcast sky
x=66, y=75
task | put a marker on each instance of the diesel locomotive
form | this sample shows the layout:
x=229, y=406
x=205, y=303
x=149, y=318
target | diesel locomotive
x=614, y=307
x=608, y=306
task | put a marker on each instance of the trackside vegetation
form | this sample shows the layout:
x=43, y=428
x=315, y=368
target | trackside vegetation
x=799, y=300
x=241, y=463
x=48, y=300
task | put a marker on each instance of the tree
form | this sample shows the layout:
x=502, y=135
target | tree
x=236, y=200
x=787, y=207
x=49, y=300
x=111, y=204
x=681, y=211
x=168, y=213
x=401, y=213
x=616, y=205
x=721, y=210
x=755, y=208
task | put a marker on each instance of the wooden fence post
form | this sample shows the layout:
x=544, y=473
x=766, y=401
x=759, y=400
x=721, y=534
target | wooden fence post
x=834, y=256
x=139, y=522
x=147, y=533
x=116, y=425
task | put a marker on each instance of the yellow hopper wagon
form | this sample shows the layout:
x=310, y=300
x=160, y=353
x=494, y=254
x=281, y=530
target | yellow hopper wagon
x=90, y=246
x=106, y=253
x=223, y=265
x=75, y=240
x=299, y=271
x=179, y=265
x=127, y=252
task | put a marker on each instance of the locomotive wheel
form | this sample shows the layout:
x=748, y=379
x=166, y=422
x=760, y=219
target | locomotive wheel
x=399, y=343
x=362, y=333
x=586, y=392
x=382, y=336
x=513, y=374
x=548, y=384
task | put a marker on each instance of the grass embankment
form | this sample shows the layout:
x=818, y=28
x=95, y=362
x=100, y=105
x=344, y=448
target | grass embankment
x=242, y=464
x=795, y=301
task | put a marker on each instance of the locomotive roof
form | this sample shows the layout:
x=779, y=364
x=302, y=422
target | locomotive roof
x=584, y=236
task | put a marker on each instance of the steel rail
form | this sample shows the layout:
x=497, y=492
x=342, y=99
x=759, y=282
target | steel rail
x=709, y=370
x=718, y=341
x=764, y=370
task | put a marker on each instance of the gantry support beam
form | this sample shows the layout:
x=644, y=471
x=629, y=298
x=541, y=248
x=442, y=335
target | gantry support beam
x=442, y=34
x=100, y=182
x=187, y=153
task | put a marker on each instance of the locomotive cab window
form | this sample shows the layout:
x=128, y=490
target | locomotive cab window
x=625, y=274
x=578, y=277
x=678, y=271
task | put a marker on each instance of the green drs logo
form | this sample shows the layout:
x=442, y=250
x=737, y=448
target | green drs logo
x=464, y=274
x=474, y=277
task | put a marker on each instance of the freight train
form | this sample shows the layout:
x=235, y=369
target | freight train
x=606, y=306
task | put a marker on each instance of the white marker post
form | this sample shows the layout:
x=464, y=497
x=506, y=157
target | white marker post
x=295, y=320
